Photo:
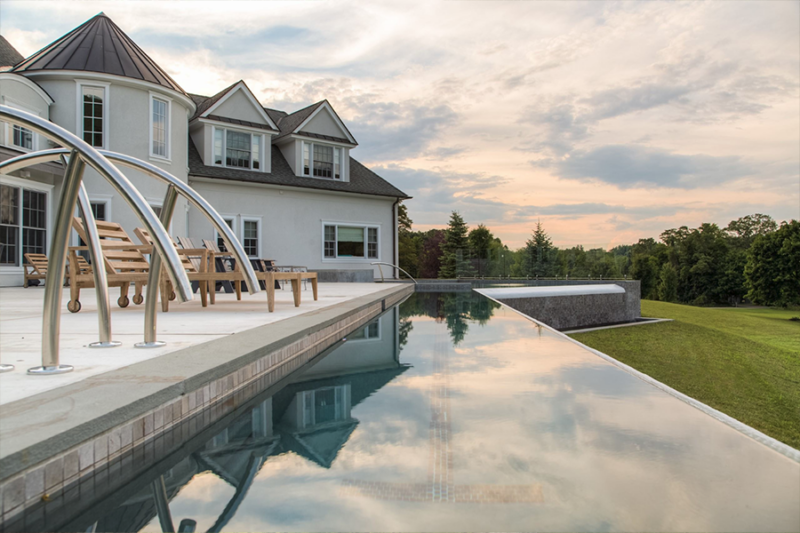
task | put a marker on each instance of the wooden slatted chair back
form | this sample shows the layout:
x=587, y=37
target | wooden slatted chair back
x=117, y=257
x=188, y=265
x=38, y=262
x=224, y=261
x=188, y=244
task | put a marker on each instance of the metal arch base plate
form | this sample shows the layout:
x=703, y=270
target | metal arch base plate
x=109, y=344
x=6, y=368
x=50, y=370
x=154, y=344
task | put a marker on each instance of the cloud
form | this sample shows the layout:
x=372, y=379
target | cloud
x=628, y=166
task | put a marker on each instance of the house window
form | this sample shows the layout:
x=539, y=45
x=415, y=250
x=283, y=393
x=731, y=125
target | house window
x=237, y=149
x=372, y=243
x=23, y=223
x=324, y=405
x=342, y=241
x=371, y=331
x=330, y=241
x=22, y=138
x=159, y=127
x=99, y=210
x=220, y=239
x=93, y=115
x=322, y=161
x=250, y=237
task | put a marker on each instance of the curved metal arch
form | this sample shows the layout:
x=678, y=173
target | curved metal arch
x=231, y=242
x=59, y=135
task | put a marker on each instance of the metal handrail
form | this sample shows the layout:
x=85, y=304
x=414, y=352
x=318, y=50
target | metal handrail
x=175, y=186
x=379, y=263
x=81, y=154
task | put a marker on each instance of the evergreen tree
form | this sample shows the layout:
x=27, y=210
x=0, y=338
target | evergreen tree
x=455, y=249
x=540, y=256
x=480, y=240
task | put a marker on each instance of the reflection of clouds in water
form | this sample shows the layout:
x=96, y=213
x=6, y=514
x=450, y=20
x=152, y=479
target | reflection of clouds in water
x=526, y=407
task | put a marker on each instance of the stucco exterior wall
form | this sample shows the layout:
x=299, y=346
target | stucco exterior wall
x=291, y=152
x=292, y=220
x=17, y=93
x=238, y=106
x=128, y=132
x=362, y=354
x=323, y=124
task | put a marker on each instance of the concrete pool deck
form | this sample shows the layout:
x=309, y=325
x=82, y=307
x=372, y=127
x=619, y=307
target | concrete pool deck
x=185, y=325
x=72, y=428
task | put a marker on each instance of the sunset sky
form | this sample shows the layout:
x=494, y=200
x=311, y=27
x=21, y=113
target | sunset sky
x=609, y=122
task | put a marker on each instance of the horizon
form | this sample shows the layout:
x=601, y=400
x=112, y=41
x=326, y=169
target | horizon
x=616, y=121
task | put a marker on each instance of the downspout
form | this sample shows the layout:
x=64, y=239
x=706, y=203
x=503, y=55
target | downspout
x=395, y=257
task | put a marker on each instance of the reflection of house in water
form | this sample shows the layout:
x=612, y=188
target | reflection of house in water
x=310, y=417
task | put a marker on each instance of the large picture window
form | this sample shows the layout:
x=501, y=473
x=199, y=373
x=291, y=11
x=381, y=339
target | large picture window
x=322, y=161
x=237, y=149
x=345, y=241
x=23, y=223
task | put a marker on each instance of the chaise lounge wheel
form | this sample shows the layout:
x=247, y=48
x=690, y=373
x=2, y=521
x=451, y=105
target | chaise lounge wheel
x=123, y=301
x=172, y=296
x=138, y=299
x=74, y=306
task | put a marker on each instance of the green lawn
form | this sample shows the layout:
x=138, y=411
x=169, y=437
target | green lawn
x=743, y=362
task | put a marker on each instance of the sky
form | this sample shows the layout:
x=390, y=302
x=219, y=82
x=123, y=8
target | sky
x=607, y=122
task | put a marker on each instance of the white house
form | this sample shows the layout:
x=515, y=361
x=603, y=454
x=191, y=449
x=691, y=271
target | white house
x=285, y=183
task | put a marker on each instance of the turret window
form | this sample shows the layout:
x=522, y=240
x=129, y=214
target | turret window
x=159, y=127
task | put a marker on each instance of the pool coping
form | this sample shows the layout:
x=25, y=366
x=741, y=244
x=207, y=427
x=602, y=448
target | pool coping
x=55, y=437
x=763, y=438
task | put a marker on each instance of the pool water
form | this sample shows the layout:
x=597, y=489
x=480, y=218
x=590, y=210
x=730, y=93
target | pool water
x=454, y=413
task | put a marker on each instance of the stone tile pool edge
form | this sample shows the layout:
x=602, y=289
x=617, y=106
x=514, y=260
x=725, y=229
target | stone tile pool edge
x=51, y=441
x=749, y=431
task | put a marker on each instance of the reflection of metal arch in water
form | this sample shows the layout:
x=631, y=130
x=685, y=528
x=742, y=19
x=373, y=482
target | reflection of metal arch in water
x=175, y=187
x=81, y=154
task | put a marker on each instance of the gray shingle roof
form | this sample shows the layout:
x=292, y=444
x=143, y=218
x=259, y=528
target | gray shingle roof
x=289, y=123
x=8, y=54
x=204, y=102
x=98, y=45
x=362, y=179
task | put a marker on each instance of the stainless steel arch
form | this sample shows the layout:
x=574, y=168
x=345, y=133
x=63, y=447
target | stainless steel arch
x=82, y=153
x=231, y=242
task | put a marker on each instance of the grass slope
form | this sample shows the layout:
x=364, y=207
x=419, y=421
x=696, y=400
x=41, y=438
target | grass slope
x=743, y=362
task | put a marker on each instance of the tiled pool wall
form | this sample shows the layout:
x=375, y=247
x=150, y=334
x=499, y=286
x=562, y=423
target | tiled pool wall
x=108, y=460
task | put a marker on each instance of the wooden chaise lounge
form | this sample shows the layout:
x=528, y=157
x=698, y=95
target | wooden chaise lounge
x=123, y=260
x=38, y=264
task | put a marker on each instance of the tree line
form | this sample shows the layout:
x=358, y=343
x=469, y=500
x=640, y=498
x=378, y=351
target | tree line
x=752, y=258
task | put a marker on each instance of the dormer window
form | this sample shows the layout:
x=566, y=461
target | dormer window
x=237, y=149
x=322, y=161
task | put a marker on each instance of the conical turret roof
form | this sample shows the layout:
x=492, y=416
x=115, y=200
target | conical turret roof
x=98, y=45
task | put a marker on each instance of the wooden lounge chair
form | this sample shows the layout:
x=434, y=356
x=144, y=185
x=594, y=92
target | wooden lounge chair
x=37, y=263
x=123, y=260
x=194, y=261
x=265, y=273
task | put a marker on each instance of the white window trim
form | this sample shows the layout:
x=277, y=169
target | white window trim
x=351, y=259
x=262, y=151
x=257, y=220
x=168, y=101
x=235, y=224
x=94, y=199
x=33, y=186
x=342, y=155
x=9, y=133
x=106, y=108
x=369, y=339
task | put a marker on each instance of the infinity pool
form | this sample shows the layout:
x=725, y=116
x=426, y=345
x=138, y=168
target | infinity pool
x=453, y=413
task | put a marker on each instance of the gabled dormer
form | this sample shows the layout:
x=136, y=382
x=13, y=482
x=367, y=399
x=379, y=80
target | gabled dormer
x=231, y=129
x=316, y=143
